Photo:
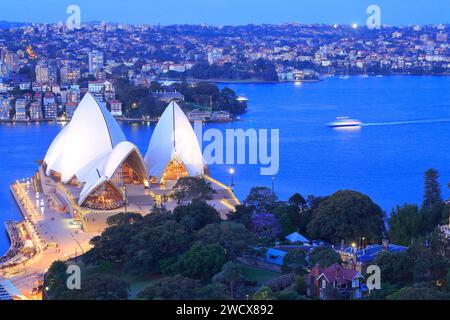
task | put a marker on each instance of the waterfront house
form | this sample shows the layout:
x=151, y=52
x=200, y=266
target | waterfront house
x=36, y=111
x=335, y=282
x=21, y=113
x=115, y=107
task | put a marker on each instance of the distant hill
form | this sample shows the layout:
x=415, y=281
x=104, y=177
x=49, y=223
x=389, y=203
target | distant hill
x=7, y=24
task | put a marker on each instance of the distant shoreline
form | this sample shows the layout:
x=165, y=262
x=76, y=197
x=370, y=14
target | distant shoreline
x=249, y=81
x=256, y=81
x=152, y=120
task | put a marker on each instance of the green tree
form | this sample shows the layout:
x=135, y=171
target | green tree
x=260, y=200
x=234, y=237
x=196, y=215
x=202, y=261
x=432, y=206
x=229, y=276
x=95, y=287
x=300, y=285
x=396, y=268
x=264, y=293
x=347, y=215
x=213, y=291
x=124, y=218
x=242, y=214
x=287, y=295
x=298, y=201
x=55, y=280
x=140, y=245
x=432, y=190
x=171, y=288
x=430, y=258
x=294, y=261
x=405, y=224
x=419, y=293
x=102, y=287
x=189, y=188
x=324, y=256
x=381, y=294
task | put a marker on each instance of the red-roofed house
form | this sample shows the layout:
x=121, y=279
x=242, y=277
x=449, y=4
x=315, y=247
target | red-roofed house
x=335, y=282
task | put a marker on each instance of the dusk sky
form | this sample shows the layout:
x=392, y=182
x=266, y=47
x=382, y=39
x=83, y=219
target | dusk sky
x=221, y=12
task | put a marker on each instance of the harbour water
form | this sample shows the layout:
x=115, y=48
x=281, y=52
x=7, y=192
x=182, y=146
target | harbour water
x=406, y=131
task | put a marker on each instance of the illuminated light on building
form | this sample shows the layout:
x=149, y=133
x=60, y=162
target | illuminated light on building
x=96, y=60
x=124, y=165
x=174, y=150
x=21, y=106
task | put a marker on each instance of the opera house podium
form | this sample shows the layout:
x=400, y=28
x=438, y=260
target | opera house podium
x=93, y=171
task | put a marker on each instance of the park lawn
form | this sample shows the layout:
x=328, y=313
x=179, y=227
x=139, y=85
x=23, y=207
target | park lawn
x=256, y=274
x=139, y=283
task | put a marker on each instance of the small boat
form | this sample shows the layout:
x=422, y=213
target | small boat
x=344, y=77
x=342, y=122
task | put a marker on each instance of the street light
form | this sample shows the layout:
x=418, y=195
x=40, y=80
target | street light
x=273, y=185
x=231, y=174
x=125, y=197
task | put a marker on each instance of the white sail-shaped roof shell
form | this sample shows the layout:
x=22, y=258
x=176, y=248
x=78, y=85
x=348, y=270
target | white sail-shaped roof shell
x=89, y=137
x=174, y=138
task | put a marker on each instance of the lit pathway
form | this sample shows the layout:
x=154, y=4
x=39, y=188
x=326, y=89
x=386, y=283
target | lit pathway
x=55, y=235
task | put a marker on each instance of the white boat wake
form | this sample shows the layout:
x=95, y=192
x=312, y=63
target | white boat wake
x=395, y=123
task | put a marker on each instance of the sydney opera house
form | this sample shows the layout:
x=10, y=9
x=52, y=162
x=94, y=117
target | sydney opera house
x=91, y=171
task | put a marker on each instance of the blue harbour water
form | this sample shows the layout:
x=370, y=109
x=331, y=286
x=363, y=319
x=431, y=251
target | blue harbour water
x=407, y=131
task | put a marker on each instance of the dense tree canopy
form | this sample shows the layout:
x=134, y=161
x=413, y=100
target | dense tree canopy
x=141, y=244
x=347, y=215
x=405, y=224
x=260, y=200
x=98, y=287
x=229, y=276
x=324, y=256
x=234, y=237
x=396, y=268
x=259, y=70
x=196, y=215
x=419, y=293
x=189, y=188
x=294, y=261
x=200, y=262
x=171, y=288
x=433, y=209
x=266, y=226
x=140, y=102
x=432, y=190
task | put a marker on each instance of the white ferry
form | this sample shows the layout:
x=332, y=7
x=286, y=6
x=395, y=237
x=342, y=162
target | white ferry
x=341, y=122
